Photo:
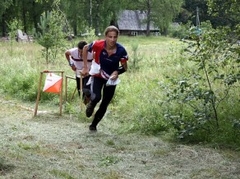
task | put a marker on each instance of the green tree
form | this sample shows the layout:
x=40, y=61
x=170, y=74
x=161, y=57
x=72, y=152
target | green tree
x=159, y=12
x=103, y=12
x=188, y=12
x=3, y=11
x=27, y=12
x=51, y=34
x=202, y=103
x=4, y=5
x=93, y=14
x=226, y=11
x=206, y=101
x=77, y=15
x=12, y=26
x=164, y=12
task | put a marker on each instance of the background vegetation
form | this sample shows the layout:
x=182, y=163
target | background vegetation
x=80, y=15
x=172, y=92
x=183, y=89
x=194, y=96
x=188, y=89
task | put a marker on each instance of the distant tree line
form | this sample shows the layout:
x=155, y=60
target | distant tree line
x=97, y=14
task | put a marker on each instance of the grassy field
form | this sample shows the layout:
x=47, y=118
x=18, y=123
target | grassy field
x=50, y=146
x=54, y=147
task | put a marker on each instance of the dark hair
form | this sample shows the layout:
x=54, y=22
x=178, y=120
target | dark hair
x=81, y=44
x=110, y=29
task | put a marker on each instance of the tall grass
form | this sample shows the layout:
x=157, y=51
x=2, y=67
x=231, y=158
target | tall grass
x=140, y=102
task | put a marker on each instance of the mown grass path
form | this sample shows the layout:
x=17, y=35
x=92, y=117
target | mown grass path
x=49, y=147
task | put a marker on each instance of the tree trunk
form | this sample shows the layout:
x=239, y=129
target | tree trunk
x=75, y=29
x=24, y=17
x=148, y=18
x=4, y=33
x=35, y=18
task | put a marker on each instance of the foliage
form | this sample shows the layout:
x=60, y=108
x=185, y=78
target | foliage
x=93, y=14
x=13, y=26
x=164, y=12
x=178, y=30
x=76, y=16
x=188, y=12
x=99, y=14
x=168, y=90
x=90, y=35
x=52, y=35
x=226, y=10
x=160, y=13
x=4, y=6
x=198, y=101
x=19, y=80
x=195, y=32
x=136, y=57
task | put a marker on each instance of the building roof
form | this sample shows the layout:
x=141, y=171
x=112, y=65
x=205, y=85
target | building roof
x=133, y=20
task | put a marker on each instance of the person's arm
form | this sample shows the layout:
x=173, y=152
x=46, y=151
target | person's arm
x=68, y=57
x=121, y=69
x=85, y=62
x=124, y=58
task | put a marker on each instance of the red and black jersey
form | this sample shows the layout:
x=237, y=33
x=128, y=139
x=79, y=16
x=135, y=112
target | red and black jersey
x=108, y=63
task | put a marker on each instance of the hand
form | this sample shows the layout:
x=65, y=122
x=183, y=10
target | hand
x=73, y=68
x=114, y=75
x=85, y=71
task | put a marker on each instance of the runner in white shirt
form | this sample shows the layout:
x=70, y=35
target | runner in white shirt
x=74, y=58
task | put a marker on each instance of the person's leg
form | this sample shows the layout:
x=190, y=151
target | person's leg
x=85, y=80
x=96, y=89
x=108, y=93
x=78, y=85
x=86, y=90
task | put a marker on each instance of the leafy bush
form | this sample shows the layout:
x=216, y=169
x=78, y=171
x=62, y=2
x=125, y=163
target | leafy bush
x=178, y=30
x=204, y=101
x=51, y=35
x=20, y=80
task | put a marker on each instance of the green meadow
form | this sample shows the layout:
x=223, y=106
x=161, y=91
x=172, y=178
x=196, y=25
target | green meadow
x=161, y=123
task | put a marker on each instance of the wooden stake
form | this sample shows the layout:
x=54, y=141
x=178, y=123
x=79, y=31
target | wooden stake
x=66, y=88
x=39, y=92
x=66, y=85
x=81, y=91
x=61, y=92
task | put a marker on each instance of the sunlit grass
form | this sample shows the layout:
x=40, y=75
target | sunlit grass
x=52, y=146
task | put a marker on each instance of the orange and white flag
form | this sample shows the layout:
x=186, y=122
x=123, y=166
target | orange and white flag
x=53, y=83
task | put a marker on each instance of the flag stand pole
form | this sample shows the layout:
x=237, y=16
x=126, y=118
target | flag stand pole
x=81, y=90
x=66, y=89
x=39, y=90
x=38, y=96
x=61, y=92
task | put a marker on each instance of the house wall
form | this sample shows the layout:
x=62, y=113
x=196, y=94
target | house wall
x=132, y=32
x=136, y=33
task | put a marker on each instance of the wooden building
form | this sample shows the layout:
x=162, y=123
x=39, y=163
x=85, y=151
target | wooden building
x=133, y=22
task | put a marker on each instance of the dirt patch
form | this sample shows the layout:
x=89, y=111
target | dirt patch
x=52, y=146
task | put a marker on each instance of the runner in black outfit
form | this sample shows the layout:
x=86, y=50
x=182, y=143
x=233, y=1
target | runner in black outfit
x=112, y=58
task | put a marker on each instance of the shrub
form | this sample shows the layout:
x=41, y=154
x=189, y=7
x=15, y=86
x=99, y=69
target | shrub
x=197, y=101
